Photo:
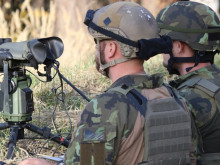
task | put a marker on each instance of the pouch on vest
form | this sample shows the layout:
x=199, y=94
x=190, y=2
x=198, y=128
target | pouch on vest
x=167, y=132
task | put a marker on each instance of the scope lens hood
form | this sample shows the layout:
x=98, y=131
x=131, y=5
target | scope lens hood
x=45, y=50
x=38, y=50
x=54, y=47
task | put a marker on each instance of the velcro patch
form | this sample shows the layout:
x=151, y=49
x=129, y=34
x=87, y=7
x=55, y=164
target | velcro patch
x=107, y=21
x=94, y=134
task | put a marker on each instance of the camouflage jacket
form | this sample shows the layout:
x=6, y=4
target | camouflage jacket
x=204, y=107
x=108, y=118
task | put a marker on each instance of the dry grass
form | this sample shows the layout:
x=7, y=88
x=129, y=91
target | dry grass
x=28, y=23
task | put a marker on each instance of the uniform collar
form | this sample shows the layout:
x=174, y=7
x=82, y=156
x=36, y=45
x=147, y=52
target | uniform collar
x=205, y=72
x=140, y=81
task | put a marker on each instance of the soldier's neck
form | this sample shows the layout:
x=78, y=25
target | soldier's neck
x=124, y=69
x=183, y=66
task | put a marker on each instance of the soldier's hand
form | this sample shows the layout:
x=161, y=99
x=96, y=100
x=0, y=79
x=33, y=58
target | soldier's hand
x=35, y=161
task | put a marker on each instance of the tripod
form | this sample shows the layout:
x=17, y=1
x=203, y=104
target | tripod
x=17, y=132
x=16, y=106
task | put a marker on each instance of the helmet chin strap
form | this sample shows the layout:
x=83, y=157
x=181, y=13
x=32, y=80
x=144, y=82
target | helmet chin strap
x=199, y=57
x=112, y=63
x=170, y=68
x=102, y=67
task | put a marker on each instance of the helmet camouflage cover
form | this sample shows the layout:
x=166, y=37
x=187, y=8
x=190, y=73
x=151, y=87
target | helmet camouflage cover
x=193, y=23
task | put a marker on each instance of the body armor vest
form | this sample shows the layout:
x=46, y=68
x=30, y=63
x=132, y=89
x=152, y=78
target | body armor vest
x=167, y=129
x=213, y=90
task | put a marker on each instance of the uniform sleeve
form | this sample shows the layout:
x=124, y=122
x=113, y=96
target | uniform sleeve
x=97, y=131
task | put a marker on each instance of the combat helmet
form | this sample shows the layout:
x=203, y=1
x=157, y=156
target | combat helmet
x=193, y=23
x=125, y=22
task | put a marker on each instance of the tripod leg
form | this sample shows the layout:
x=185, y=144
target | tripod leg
x=4, y=126
x=45, y=132
x=12, y=141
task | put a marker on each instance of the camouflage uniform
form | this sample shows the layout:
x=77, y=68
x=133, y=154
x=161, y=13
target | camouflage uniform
x=110, y=117
x=198, y=26
x=203, y=106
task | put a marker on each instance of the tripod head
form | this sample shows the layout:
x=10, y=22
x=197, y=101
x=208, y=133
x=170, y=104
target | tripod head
x=16, y=97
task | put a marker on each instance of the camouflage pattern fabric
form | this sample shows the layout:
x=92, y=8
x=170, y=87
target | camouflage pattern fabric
x=204, y=107
x=109, y=118
x=193, y=23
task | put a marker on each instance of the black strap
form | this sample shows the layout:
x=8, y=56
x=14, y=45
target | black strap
x=112, y=35
x=214, y=36
x=151, y=47
x=202, y=57
x=170, y=68
x=197, y=61
x=138, y=100
x=172, y=93
x=199, y=57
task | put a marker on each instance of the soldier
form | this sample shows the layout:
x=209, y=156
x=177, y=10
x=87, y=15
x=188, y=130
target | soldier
x=138, y=119
x=195, y=31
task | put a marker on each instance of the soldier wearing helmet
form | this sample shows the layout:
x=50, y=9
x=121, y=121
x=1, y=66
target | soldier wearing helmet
x=195, y=31
x=134, y=120
x=111, y=129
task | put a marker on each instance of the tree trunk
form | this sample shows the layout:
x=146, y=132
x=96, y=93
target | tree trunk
x=156, y=5
x=73, y=10
x=70, y=28
x=37, y=4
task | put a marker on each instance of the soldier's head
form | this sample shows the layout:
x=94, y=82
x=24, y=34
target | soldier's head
x=117, y=27
x=190, y=25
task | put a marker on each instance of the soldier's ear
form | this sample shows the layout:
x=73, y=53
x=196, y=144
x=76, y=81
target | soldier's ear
x=111, y=49
x=178, y=48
